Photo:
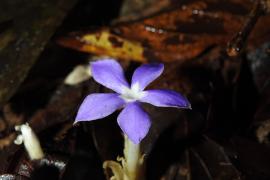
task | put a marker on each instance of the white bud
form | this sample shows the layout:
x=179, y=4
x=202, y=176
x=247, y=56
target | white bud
x=30, y=140
x=19, y=140
x=79, y=74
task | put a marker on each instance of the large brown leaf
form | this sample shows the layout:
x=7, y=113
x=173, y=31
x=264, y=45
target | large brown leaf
x=180, y=33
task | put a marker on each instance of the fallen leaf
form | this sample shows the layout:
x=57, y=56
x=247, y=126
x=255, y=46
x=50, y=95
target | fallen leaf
x=181, y=33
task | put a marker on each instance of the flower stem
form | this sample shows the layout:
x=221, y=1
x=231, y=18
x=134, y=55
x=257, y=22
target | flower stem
x=129, y=167
x=133, y=166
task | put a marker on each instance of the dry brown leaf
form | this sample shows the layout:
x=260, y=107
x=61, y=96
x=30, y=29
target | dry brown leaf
x=178, y=34
x=6, y=141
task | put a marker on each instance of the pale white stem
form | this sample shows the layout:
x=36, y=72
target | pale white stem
x=133, y=164
x=130, y=166
x=30, y=141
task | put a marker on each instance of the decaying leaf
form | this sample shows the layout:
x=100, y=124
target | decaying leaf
x=214, y=161
x=174, y=35
x=133, y=9
x=201, y=159
x=180, y=170
x=7, y=141
x=25, y=38
x=251, y=158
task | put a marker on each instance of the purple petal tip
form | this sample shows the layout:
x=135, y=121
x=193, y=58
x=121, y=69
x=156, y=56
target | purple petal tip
x=134, y=122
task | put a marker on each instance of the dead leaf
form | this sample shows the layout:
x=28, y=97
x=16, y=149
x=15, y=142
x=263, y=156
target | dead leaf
x=178, y=34
x=26, y=38
x=6, y=141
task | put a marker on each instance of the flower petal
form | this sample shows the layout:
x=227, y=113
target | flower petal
x=165, y=98
x=145, y=74
x=134, y=122
x=99, y=105
x=110, y=74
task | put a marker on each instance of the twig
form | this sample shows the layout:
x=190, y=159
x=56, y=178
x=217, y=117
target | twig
x=238, y=42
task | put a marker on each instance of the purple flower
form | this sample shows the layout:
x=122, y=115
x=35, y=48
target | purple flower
x=133, y=120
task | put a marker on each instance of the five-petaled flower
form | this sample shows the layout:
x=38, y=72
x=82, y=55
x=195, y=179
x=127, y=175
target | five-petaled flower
x=133, y=120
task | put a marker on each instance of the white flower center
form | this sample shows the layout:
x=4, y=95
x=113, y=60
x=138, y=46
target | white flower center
x=132, y=94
